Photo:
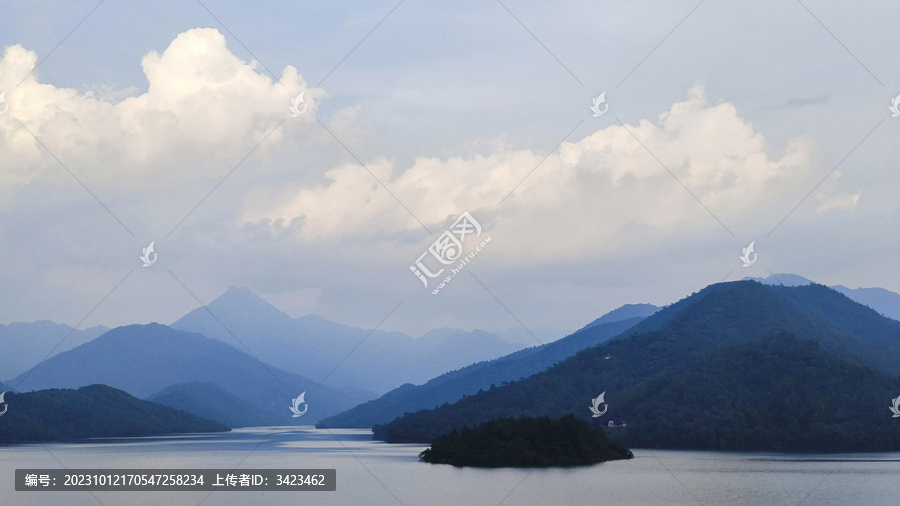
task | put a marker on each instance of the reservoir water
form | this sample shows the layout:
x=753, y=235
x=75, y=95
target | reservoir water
x=374, y=473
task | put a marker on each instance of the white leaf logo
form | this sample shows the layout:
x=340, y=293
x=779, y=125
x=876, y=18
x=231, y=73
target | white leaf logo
x=148, y=261
x=4, y=404
x=895, y=408
x=894, y=108
x=746, y=256
x=295, y=103
x=295, y=408
x=595, y=408
x=600, y=100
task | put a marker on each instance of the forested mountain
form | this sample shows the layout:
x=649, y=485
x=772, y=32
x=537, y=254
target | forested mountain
x=717, y=371
x=885, y=302
x=90, y=412
x=452, y=386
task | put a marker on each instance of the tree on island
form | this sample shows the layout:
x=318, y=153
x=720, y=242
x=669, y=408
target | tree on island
x=525, y=442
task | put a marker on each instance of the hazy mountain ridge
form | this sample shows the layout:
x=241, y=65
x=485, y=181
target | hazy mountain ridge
x=210, y=401
x=146, y=359
x=26, y=344
x=625, y=312
x=341, y=355
x=452, y=386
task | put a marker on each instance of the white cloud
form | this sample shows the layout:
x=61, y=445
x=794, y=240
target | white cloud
x=582, y=199
x=203, y=106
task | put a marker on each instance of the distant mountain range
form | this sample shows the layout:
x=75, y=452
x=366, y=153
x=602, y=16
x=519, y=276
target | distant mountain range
x=452, y=386
x=736, y=366
x=26, y=344
x=885, y=302
x=91, y=412
x=145, y=360
x=337, y=354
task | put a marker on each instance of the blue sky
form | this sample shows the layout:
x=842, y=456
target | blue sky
x=723, y=117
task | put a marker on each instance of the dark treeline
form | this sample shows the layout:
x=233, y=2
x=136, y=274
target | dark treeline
x=525, y=442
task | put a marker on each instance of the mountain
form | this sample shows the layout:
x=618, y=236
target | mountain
x=90, y=412
x=625, y=312
x=777, y=393
x=452, y=386
x=26, y=344
x=886, y=302
x=337, y=354
x=212, y=402
x=710, y=362
x=145, y=359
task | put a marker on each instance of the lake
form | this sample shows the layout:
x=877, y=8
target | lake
x=374, y=473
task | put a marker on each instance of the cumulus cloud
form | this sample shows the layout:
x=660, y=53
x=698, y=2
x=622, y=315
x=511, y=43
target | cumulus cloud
x=582, y=198
x=203, y=105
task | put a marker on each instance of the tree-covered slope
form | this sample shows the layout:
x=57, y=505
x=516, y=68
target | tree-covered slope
x=683, y=336
x=90, y=412
x=778, y=393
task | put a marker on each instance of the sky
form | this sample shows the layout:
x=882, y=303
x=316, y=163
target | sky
x=722, y=124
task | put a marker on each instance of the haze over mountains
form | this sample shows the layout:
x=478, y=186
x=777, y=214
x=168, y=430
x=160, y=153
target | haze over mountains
x=216, y=378
x=26, y=344
x=146, y=359
x=735, y=366
x=321, y=350
x=452, y=386
x=469, y=377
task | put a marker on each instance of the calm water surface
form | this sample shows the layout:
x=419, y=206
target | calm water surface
x=372, y=473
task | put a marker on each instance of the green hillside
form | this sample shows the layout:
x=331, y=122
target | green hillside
x=720, y=331
x=90, y=412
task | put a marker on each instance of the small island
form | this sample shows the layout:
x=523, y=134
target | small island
x=525, y=442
